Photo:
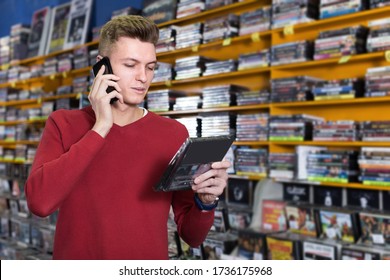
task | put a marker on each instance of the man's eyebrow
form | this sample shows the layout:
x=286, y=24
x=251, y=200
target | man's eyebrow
x=137, y=61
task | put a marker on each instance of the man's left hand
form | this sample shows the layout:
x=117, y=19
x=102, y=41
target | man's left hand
x=211, y=184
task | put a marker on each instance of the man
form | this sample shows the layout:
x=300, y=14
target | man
x=98, y=165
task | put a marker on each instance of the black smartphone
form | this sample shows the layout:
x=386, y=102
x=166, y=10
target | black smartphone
x=108, y=70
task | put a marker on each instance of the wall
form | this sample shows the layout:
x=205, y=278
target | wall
x=21, y=11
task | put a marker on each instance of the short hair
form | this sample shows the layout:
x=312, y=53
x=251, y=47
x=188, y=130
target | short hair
x=131, y=26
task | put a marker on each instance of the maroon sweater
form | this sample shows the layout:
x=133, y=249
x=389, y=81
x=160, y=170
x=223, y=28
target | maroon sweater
x=103, y=188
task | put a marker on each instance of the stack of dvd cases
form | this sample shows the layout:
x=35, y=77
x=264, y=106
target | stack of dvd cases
x=220, y=96
x=377, y=81
x=336, y=131
x=189, y=35
x=19, y=41
x=252, y=97
x=192, y=125
x=190, y=67
x=159, y=11
x=189, y=7
x=297, y=88
x=220, y=28
x=372, y=131
x=162, y=100
x=80, y=84
x=252, y=127
x=282, y=165
x=81, y=58
x=251, y=161
x=5, y=50
x=255, y=21
x=332, y=166
x=65, y=62
x=217, y=67
x=254, y=60
x=292, y=127
x=338, y=89
x=166, y=41
x=215, y=124
x=378, y=3
x=163, y=72
x=292, y=52
x=212, y=4
x=333, y=8
x=374, y=163
x=287, y=12
x=340, y=42
x=50, y=66
x=378, y=37
x=192, y=102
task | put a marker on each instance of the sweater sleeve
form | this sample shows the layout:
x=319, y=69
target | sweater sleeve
x=193, y=224
x=55, y=171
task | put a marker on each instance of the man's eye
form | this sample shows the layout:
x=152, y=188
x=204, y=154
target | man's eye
x=129, y=65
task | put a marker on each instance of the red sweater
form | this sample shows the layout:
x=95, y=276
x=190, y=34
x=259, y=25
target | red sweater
x=103, y=188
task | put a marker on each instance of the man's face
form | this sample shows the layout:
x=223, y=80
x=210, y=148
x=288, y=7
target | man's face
x=134, y=62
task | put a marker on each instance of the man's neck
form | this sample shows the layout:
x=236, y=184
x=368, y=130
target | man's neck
x=128, y=115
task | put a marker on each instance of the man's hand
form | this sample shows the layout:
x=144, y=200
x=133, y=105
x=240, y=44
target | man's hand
x=211, y=184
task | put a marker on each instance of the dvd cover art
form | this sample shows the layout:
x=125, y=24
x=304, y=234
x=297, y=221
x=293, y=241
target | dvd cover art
x=273, y=215
x=76, y=33
x=58, y=27
x=338, y=226
x=301, y=220
x=375, y=228
x=38, y=36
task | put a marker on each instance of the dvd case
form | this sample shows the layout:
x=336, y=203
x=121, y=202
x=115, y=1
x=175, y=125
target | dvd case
x=193, y=158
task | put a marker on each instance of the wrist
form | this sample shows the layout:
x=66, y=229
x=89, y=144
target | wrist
x=205, y=206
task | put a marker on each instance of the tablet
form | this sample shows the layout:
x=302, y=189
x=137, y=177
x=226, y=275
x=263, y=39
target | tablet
x=193, y=158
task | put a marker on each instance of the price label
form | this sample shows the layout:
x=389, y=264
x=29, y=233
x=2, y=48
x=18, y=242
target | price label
x=344, y=59
x=256, y=37
x=288, y=30
x=78, y=96
x=39, y=100
x=195, y=48
x=227, y=42
x=64, y=74
x=52, y=76
x=168, y=83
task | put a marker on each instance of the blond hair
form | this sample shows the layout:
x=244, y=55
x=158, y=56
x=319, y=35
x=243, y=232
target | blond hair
x=131, y=26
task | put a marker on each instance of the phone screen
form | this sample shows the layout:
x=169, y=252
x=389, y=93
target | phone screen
x=108, y=70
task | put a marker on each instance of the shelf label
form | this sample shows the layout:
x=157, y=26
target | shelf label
x=13, y=84
x=256, y=37
x=78, y=96
x=227, y=42
x=195, y=48
x=39, y=100
x=168, y=83
x=387, y=56
x=64, y=74
x=288, y=30
x=344, y=59
x=52, y=76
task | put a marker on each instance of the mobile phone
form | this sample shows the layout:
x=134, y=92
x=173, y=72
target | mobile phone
x=108, y=70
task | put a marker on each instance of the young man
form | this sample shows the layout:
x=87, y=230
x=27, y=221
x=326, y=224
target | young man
x=98, y=165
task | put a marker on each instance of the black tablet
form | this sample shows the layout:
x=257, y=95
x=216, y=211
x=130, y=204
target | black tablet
x=193, y=158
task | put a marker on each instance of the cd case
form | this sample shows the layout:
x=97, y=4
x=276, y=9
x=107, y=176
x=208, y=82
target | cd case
x=193, y=158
